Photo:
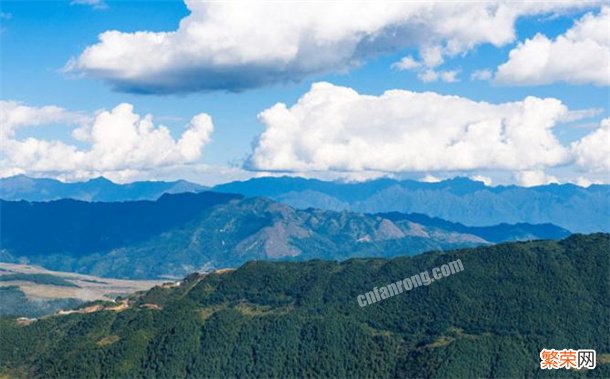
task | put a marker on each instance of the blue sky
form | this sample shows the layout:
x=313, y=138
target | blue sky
x=39, y=38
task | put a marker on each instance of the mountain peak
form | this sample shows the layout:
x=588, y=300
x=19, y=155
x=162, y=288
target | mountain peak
x=100, y=180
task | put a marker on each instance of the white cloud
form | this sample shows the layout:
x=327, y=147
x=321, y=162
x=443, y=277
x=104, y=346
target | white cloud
x=530, y=178
x=428, y=76
x=406, y=63
x=425, y=70
x=239, y=45
x=432, y=55
x=592, y=152
x=579, y=56
x=582, y=114
x=119, y=142
x=335, y=128
x=586, y=182
x=14, y=115
x=430, y=179
x=481, y=75
x=484, y=179
x=449, y=76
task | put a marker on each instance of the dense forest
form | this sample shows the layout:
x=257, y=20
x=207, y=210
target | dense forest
x=301, y=319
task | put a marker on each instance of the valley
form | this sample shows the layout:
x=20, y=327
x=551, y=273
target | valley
x=34, y=291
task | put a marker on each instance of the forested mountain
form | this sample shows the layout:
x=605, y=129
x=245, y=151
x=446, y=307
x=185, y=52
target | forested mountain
x=280, y=319
x=182, y=233
x=21, y=187
x=460, y=200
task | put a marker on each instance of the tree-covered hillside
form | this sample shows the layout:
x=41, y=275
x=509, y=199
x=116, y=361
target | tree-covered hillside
x=272, y=319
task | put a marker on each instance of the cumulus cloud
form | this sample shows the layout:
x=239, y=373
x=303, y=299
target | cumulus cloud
x=119, y=142
x=15, y=115
x=579, y=56
x=240, y=45
x=592, y=152
x=335, y=128
x=335, y=132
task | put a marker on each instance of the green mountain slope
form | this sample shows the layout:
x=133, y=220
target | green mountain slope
x=179, y=234
x=272, y=319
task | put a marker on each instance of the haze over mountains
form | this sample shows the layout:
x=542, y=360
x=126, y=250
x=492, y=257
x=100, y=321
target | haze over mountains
x=182, y=233
x=459, y=200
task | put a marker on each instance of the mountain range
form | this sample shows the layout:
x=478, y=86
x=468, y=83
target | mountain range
x=21, y=187
x=459, y=200
x=182, y=233
x=301, y=319
x=462, y=200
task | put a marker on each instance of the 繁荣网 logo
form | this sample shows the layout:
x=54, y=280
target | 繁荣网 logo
x=567, y=358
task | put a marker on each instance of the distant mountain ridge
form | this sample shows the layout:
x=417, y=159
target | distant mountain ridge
x=182, y=233
x=21, y=187
x=494, y=233
x=459, y=200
